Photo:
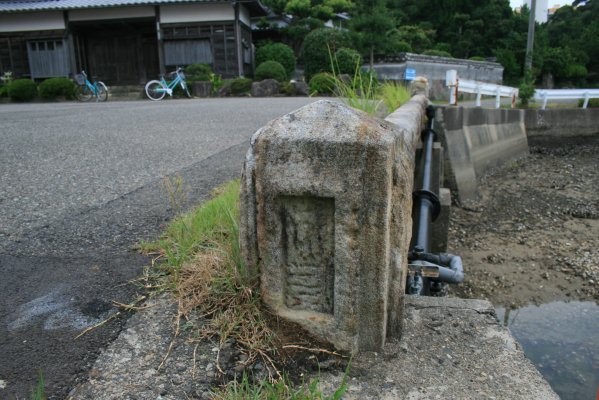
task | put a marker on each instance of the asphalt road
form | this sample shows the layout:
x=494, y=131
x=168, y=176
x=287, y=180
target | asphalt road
x=81, y=185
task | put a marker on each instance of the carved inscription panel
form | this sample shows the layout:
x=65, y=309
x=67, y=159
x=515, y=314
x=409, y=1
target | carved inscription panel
x=308, y=242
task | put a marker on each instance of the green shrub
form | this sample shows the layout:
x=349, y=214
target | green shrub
x=54, y=88
x=400, y=46
x=198, y=72
x=288, y=88
x=278, y=52
x=241, y=86
x=322, y=83
x=526, y=90
x=318, y=47
x=347, y=60
x=270, y=70
x=577, y=72
x=437, y=53
x=22, y=90
x=5, y=80
x=477, y=58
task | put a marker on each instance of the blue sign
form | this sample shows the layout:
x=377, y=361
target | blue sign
x=410, y=74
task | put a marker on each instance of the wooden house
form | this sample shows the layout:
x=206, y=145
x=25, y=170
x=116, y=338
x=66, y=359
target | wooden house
x=125, y=41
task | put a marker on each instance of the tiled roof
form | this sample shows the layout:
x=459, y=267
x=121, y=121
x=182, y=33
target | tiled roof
x=45, y=5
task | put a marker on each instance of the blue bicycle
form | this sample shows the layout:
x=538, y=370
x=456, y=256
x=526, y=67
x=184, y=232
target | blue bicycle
x=156, y=89
x=87, y=89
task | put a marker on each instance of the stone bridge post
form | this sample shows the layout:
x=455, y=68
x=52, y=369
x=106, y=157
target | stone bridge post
x=326, y=205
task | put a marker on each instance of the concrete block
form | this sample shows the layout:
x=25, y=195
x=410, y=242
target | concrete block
x=477, y=140
x=440, y=226
x=451, y=349
x=326, y=219
x=546, y=125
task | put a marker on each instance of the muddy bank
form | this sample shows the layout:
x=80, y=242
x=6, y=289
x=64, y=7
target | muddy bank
x=534, y=236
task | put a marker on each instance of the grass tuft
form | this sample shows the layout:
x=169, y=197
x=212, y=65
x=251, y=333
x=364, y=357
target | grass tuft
x=394, y=95
x=198, y=258
x=363, y=91
x=38, y=393
x=282, y=389
x=200, y=261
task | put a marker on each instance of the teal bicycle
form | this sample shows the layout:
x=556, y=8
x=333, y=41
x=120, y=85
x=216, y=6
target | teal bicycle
x=86, y=89
x=157, y=89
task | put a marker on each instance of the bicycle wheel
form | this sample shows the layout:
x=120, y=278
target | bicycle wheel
x=84, y=93
x=101, y=91
x=155, y=90
x=184, y=86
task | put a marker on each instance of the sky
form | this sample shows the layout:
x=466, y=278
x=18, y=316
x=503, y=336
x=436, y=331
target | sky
x=551, y=3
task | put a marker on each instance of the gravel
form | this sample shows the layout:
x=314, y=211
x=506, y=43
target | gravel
x=534, y=237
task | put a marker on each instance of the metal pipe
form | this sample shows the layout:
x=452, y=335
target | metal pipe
x=429, y=273
x=426, y=202
x=451, y=269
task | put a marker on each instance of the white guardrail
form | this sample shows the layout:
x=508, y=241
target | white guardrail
x=479, y=88
x=566, y=94
x=456, y=85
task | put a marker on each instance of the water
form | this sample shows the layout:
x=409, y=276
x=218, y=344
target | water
x=562, y=340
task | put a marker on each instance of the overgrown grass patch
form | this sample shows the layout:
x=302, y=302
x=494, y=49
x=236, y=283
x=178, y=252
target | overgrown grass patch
x=198, y=259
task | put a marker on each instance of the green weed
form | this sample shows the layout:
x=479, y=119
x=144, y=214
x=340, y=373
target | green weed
x=363, y=92
x=359, y=91
x=38, y=393
x=173, y=186
x=394, y=95
x=282, y=389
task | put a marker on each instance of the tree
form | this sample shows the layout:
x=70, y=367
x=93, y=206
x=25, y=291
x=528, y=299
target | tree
x=418, y=38
x=319, y=47
x=371, y=24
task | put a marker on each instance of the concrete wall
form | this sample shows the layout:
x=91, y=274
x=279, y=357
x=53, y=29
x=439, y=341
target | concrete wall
x=476, y=140
x=562, y=122
x=434, y=68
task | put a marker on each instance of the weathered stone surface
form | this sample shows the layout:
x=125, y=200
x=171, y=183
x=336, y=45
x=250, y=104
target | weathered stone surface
x=265, y=88
x=202, y=89
x=326, y=219
x=301, y=88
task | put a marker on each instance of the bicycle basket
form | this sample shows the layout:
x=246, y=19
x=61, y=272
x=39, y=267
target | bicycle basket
x=80, y=79
x=182, y=75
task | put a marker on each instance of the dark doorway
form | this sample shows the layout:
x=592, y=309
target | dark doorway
x=117, y=52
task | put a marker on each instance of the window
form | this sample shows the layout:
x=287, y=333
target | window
x=185, y=52
x=48, y=58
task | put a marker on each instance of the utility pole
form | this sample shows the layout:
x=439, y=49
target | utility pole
x=531, y=37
